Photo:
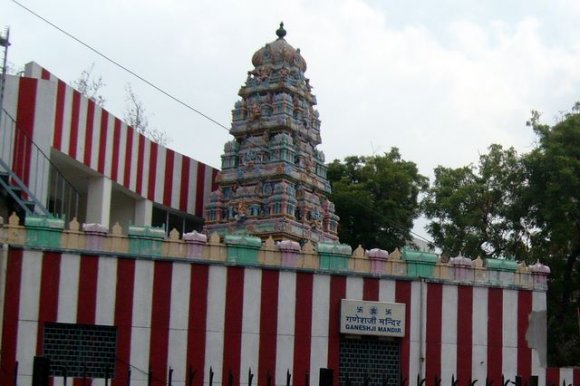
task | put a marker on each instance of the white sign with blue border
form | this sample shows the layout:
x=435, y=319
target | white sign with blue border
x=359, y=317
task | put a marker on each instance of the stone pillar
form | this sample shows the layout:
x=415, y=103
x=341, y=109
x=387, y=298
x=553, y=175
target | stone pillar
x=99, y=201
x=143, y=212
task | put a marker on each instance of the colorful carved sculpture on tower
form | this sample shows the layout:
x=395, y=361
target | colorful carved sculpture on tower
x=273, y=180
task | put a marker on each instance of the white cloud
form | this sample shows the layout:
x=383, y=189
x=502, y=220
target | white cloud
x=440, y=90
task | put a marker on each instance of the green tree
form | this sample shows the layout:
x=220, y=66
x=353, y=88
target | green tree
x=522, y=206
x=376, y=199
x=476, y=210
x=553, y=201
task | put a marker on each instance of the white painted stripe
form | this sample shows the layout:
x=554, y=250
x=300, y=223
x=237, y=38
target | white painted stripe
x=567, y=376
x=68, y=288
x=510, y=333
x=32, y=70
x=134, y=161
x=11, y=90
x=216, y=304
x=43, y=113
x=96, y=138
x=479, y=333
x=176, y=179
x=354, y=287
x=141, y=330
x=207, y=185
x=192, y=191
x=418, y=312
x=146, y=169
x=286, y=325
x=387, y=289
x=66, y=119
x=82, y=128
x=539, y=360
x=122, y=170
x=28, y=313
x=106, y=290
x=250, y=342
x=109, y=146
x=320, y=315
x=178, y=321
x=160, y=174
x=448, y=333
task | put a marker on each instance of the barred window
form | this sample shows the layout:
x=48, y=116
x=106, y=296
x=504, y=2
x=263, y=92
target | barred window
x=78, y=350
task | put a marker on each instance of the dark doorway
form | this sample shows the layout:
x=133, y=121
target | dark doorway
x=369, y=361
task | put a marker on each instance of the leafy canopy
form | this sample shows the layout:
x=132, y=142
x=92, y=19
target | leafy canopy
x=376, y=199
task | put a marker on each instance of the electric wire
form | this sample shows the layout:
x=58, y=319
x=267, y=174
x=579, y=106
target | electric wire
x=124, y=68
x=159, y=89
x=139, y=77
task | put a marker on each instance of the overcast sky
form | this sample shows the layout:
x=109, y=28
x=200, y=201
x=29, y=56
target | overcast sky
x=440, y=80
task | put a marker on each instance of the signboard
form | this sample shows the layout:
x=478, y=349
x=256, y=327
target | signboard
x=372, y=318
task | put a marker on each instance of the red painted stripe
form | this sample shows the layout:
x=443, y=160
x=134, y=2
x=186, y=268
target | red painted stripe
x=11, y=310
x=59, y=115
x=168, y=188
x=160, y=321
x=184, y=189
x=337, y=293
x=553, y=376
x=152, y=171
x=103, y=141
x=464, y=333
x=433, y=335
x=48, y=298
x=233, y=324
x=140, y=160
x=89, y=126
x=268, y=326
x=25, y=115
x=116, y=150
x=44, y=74
x=524, y=352
x=494, y=334
x=128, y=157
x=197, y=322
x=199, y=189
x=87, y=298
x=302, y=327
x=403, y=295
x=371, y=289
x=576, y=376
x=74, y=124
x=124, y=317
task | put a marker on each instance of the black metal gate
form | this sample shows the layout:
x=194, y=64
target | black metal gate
x=369, y=361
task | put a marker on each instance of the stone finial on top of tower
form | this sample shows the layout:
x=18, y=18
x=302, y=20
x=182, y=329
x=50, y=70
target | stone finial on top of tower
x=281, y=32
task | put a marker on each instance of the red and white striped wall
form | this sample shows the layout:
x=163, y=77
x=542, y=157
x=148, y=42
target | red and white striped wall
x=181, y=313
x=57, y=116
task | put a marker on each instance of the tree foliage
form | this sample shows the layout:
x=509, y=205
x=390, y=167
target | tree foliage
x=526, y=207
x=475, y=210
x=554, y=208
x=136, y=117
x=376, y=199
x=90, y=86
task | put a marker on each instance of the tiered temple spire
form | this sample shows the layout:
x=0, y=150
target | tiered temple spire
x=273, y=180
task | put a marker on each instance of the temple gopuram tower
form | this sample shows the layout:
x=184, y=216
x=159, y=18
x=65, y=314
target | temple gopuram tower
x=273, y=179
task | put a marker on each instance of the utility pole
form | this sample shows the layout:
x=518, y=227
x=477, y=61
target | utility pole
x=5, y=43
